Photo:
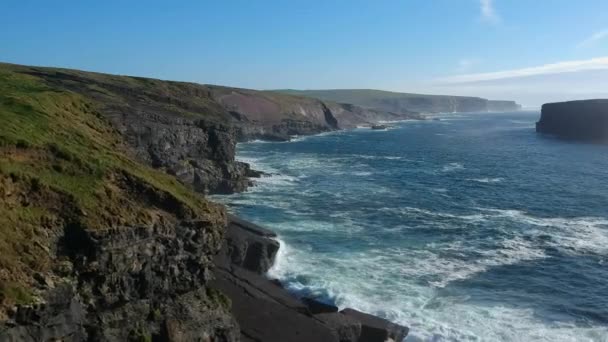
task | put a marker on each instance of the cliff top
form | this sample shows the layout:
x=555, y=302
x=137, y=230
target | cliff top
x=63, y=166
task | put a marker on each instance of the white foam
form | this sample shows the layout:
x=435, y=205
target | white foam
x=388, y=292
x=571, y=235
x=361, y=173
x=486, y=180
x=452, y=167
x=408, y=211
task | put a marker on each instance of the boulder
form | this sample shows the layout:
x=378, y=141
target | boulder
x=318, y=307
x=266, y=312
x=249, y=246
x=346, y=328
x=376, y=329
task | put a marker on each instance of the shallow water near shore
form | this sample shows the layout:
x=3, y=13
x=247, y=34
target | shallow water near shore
x=468, y=228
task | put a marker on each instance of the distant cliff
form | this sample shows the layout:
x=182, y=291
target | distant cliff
x=403, y=102
x=274, y=116
x=502, y=106
x=191, y=130
x=579, y=120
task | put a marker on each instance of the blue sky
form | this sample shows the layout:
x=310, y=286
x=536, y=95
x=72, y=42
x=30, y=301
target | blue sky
x=510, y=49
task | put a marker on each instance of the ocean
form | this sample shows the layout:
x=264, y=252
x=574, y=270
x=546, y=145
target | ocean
x=470, y=227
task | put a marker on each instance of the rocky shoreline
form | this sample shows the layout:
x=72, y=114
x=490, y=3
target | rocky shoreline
x=125, y=247
x=265, y=311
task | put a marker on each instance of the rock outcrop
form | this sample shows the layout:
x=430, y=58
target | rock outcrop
x=585, y=120
x=265, y=311
x=132, y=283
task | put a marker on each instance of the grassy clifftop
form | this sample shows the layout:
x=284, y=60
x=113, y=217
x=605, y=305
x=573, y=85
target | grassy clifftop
x=64, y=166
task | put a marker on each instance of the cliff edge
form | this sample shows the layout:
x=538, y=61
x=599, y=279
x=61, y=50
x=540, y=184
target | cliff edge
x=585, y=120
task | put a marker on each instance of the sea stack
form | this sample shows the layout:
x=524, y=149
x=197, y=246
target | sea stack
x=585, y=120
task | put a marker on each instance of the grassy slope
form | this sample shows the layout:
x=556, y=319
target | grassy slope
x=61, y=164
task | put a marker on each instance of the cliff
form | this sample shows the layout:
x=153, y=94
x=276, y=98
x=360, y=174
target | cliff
x=105, y=237
x=502, y=106
x=273, y=116
x=96, y=245
x=405, y=102
x=190, y=130
x=248, y=252
x=579, y=120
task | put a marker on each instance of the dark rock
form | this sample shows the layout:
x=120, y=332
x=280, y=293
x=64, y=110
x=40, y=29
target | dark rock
x=318, y=307
x=263, y=310
x=127, y=282
x=266, y=312
x=251, y=227
x=379, y=127
x=277, y=282
x=374, y=328
x=43, y=280
x=578, y=120
x=346, y=328
x=249, y=246
x=62, y=317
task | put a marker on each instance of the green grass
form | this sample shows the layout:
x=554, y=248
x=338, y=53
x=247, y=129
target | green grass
x=62, y=162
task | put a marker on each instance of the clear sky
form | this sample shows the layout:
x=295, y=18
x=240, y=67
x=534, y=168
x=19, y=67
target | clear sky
x=528, y=50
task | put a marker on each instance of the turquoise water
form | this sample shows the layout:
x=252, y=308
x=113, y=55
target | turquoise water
x=472, y=227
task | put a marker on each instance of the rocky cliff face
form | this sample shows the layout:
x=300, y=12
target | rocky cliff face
x=273, y=116
x=100, y=242
x=130, y=284
x=579, y=120
x=96, y=245
x=405, y=102
x=191, y=130
x=267, y=312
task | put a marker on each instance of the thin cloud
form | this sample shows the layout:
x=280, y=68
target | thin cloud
x=600, y=63
x=488, y=13
x=597, y=36
x=466, y=64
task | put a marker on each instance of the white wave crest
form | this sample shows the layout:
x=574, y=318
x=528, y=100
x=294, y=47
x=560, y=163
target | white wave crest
x=486, y=180
x=452, y=167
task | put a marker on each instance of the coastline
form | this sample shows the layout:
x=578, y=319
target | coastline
x=266, y=311
x=242, y=273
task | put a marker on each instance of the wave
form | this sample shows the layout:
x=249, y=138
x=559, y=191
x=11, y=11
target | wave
x=486, y=180
x=452, y=167
x=430, y=315
x=575, y=235
x=445, y=270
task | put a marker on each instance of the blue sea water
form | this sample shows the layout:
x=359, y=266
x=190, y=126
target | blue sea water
x=468, y=228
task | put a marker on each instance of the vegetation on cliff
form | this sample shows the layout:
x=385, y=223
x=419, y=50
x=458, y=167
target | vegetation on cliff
x=64, y=167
